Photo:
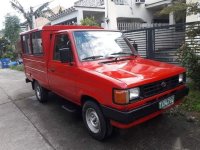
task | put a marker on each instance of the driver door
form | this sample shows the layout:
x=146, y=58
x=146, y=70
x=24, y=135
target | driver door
x=61, y=75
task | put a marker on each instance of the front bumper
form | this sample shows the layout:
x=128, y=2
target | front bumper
x=141, y=112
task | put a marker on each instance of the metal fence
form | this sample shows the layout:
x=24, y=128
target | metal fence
x=125, y=26
x=162, y=43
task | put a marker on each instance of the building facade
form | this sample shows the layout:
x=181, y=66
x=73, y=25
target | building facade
x=193, y=18
x=115, y=14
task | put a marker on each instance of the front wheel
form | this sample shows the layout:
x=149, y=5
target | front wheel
x=98, y=126
x=40, y=92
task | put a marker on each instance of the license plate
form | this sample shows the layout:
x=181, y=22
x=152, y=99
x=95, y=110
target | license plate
x=166, y=102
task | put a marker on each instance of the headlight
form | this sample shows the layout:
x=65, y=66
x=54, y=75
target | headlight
x=181, y=78
x=121, y=97
x=134, y=93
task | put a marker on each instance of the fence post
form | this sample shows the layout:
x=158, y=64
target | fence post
x=150, y=43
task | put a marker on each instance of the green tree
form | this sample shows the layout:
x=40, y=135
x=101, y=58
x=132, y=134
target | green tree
x=12, y=28
x=89, y=21
x=4, y=46
x=179, y=6
x=42, y=11
x=189, y=52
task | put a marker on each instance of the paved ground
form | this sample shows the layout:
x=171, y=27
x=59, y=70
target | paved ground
x=25, y=124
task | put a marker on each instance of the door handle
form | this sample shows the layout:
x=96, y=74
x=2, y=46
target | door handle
x=52, y=69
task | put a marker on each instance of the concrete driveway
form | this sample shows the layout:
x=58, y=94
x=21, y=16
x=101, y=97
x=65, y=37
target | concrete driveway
x=25, y=124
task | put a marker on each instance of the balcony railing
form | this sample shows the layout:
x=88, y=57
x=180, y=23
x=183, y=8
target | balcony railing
x=89, y=3
x=120, y=2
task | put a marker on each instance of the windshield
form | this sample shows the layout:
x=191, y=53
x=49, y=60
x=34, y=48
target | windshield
x=101, y=44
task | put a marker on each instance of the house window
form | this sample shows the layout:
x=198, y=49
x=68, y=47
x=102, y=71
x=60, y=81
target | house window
x=140, y=1
x=37, y=43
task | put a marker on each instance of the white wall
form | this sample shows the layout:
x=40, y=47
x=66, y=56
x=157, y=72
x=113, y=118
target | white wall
x=140, y=11
x=127, y=11
x=193, y=18
x=152, y=1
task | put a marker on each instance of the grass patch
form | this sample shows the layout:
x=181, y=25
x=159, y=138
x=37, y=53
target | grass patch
x=192, y=101
x=18, y=68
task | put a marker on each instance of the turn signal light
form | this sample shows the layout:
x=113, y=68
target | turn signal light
x=121, y=97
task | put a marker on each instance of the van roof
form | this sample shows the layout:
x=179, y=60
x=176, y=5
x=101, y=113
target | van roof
x=60, y=27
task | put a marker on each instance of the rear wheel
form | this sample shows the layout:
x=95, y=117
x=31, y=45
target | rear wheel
x=40, y=92
x=98, y=126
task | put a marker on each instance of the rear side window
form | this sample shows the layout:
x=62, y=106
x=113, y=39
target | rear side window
x=37, y=43
x=26, y=44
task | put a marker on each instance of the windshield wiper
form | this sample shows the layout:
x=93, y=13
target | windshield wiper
x=92, y=57
x=122, y=53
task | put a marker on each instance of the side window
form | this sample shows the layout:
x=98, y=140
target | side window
x=37, y=43
x=26, y=44
x=61, y=41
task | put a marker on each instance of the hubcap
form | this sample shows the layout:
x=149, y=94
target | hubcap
x=92, y=120
x=38, y=92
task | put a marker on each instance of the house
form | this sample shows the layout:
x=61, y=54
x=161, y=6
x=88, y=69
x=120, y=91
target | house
x=80, y=10
x=116, y=14
x=41, y=21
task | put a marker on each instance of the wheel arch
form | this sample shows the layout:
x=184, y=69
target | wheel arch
x=85, y=98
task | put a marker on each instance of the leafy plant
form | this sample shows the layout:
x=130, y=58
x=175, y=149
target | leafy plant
x=18, y=68
x=12, y=28
x=42, y=11
x=10, y=55
x=189, y=52
x=4, y=46
x=89, y=22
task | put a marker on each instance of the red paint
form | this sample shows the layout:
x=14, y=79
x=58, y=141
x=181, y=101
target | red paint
x=93, y=78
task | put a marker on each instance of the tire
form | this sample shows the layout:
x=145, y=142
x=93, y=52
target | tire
x=40, y=92
x=97, y=125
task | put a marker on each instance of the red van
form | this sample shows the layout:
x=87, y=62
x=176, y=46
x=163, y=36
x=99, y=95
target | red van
x=100, y=71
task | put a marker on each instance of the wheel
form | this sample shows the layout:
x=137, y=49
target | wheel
x=40, y=92
x=98, y=126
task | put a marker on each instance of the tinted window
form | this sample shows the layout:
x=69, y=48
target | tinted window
x=61, y=42
x=37, y=43
x=26, y=44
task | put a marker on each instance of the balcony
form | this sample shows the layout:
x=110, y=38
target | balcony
x=120, y=2
x=153, y=4
x=89, y=3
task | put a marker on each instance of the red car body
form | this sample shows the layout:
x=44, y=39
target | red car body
x=97, y=79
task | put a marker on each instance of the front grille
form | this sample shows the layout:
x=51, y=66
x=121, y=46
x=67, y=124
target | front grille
x=159, y=86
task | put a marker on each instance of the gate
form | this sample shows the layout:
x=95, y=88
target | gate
x=161, y=43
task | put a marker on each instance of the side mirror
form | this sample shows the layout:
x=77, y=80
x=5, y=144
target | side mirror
x=65, y=55
x=135, y=46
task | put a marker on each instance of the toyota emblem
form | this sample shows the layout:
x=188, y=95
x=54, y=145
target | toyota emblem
x=163, y=84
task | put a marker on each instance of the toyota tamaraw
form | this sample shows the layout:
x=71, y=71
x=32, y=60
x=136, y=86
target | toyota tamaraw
x=100, y=71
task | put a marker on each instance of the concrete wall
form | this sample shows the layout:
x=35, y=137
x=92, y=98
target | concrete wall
x=140, y=11
x=132, y=10
x=193, y=18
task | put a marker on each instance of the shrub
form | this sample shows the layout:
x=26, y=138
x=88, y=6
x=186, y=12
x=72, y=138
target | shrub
x=89, y=21
x=191, y=60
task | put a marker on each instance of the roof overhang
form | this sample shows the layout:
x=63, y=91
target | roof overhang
x=158, y=4
x=128, y=19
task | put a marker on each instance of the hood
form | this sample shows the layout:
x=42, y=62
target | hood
x=135, y=71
